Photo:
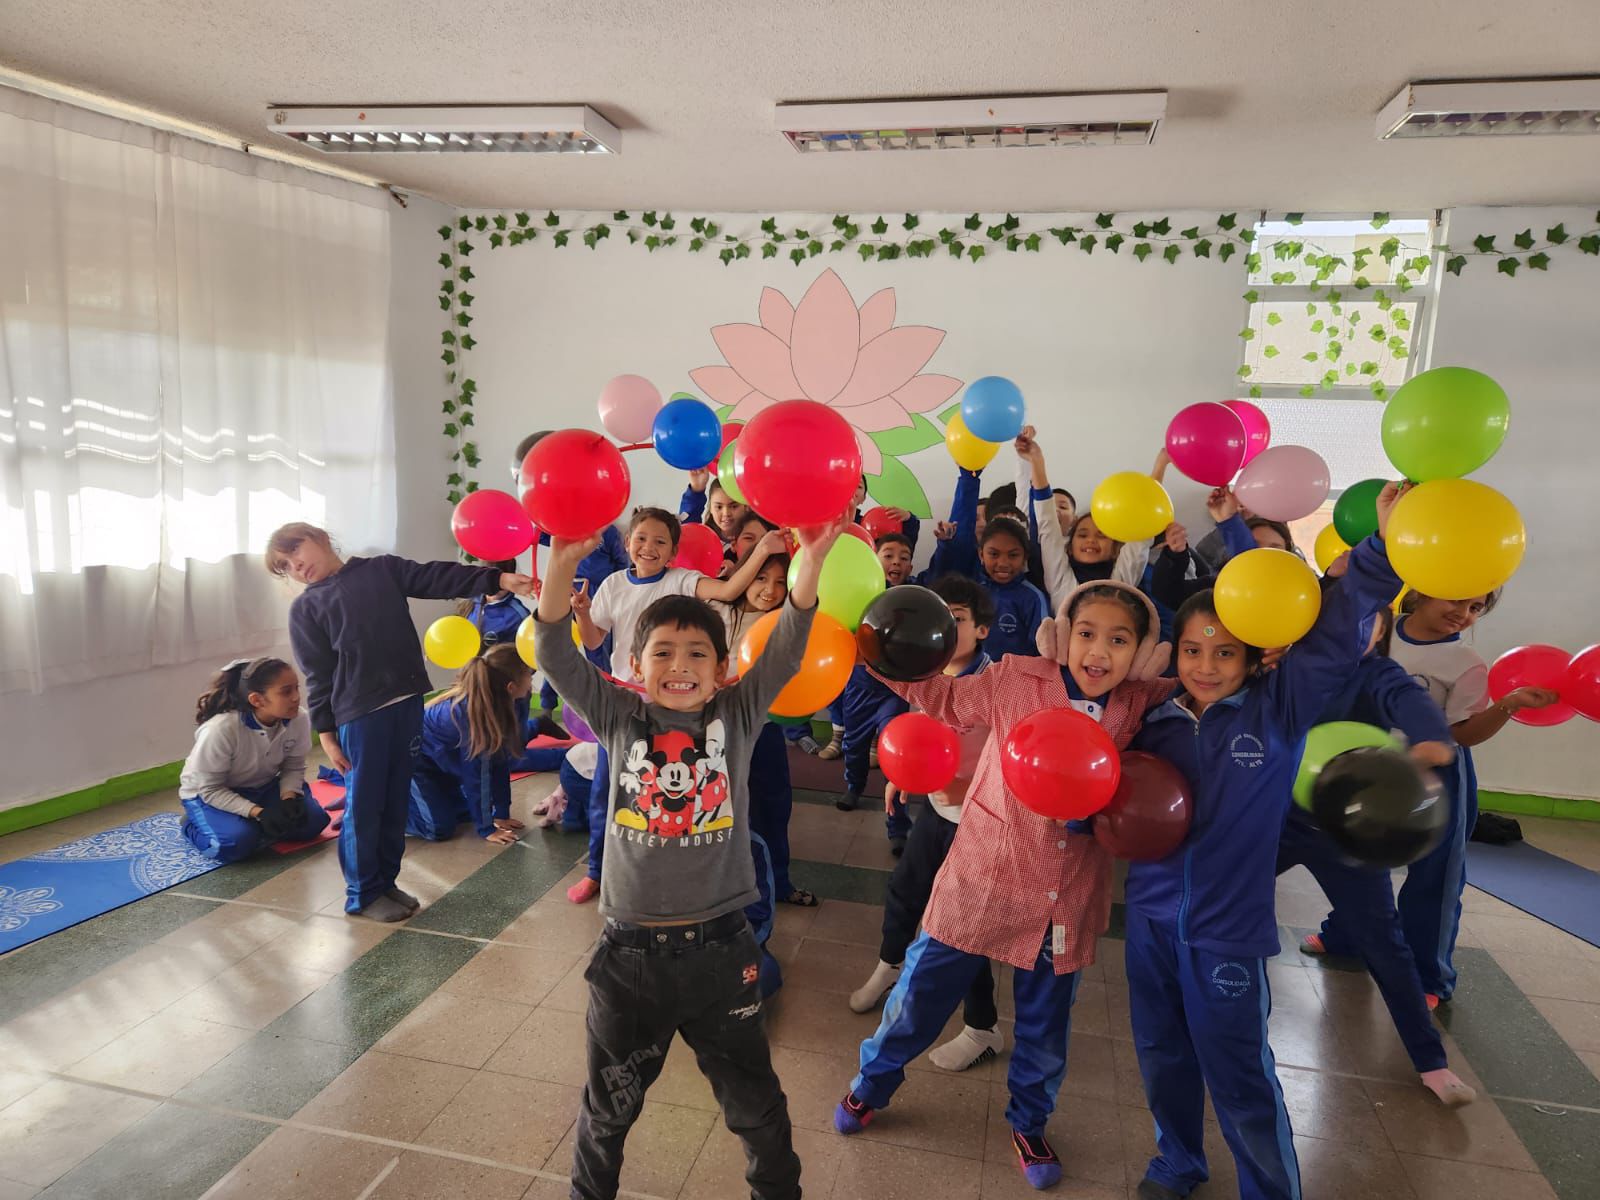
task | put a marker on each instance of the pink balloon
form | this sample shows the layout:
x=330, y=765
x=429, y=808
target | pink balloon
x=1283, y=483
x=491, y=525
x=699, y=549
x=1207, y=443
x=1256, y=426
x=628, y=407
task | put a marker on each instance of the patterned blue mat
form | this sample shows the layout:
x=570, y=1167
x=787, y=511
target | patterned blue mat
x=56, y=889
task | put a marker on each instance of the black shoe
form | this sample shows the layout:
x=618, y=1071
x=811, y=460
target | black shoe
x=897, y=846
x=1149, y=1189
x=848, y=802
x=546, y=727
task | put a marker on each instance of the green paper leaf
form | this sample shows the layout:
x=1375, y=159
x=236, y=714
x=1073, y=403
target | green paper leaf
x=1316, y=326
x=973, y=221
x=453, y=479
x=696, y=244
x=448, y=338
x=1190, y=233
x=1294, y=218
x=726, y=255
x=1064, y=235
x=770, y=227
x=1088, y=242
x=1379, y=220
x=1202, y=248
x=1556, y=235
x=897, y=487
x=451, y=429
x=890, y=251
x=995, y=232
x=1011, y=222
x=562, y=237
x=866, y=252
x=1539, y=262
x=1161, y=228
x=444, y=303
x=1308, y=391
x=698, y=224
x=1013, y=243
x=1484, y=243
x=1255, y=391
x=1171, y=253
x=669, y=223
x=1227, y=220
x=448, y=357
x=974, y=253
x=813, y=247
x=1226, y=251
x=468, y=342
x=770, y=250
x=796, y=255
x=1032, y=242
x=911, y=221
x=1252, y=262
x=1142, y=251
x=466, y=299
x=465, y=275
x=1102, y=219
x=652, y=243
x=955, y=247
x=1114, y=242
x=1245, y=372
x=1270, y=351
x=453, y=496
x=1274, y=318
x=1311, y=356
x=1247, y=334
x=481, y=224
x=836, y=246
x=496, y=240
x=463, y=223
x=445, y=260
x=1252, y=296
x=1507, y=266
x=463, y=319
x=921, y=434
x=466, y=419
x=500, y=221
x=1524, y=240
x=445, y=232
x=879, y=227
x=1141, y=229
x=1590, y=244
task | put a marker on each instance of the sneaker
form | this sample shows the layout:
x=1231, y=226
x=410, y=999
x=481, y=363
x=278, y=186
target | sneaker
x=405, y=898
x=1149, y=1189
x=834, y=749
x=968, y=1048
x=882, y=980
x=897, y=846
x=1433, y=1001
x=848, y=802
x=1038, y=1161
x=584, y=890
x=545, y=726
x=851, y=1115
x=808, y=743
x=1312, y=945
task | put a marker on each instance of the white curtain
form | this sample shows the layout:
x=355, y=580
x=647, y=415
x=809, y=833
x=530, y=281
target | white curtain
x=193, y=350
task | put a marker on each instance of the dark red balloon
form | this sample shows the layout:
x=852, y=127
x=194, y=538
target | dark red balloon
x=1536, y=666
x=878, y=522
x=1581, y=688
x=1061, y=764
x=798, y=463
x=860, y=531
x=574, y=483
x=919, y=754
x=699, y=549
x=1149, y=815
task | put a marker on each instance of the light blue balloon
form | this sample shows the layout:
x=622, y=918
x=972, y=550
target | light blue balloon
x=687, y=434
x=992, y=409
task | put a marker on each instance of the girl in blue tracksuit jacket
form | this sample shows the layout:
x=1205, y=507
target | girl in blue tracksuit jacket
x=1020, y=608
x=472, y=734
x=1201, y=922
x=1382, y=694
x=498, y=616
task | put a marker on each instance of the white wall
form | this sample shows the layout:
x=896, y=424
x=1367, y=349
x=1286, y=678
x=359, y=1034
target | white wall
x=1536, y=333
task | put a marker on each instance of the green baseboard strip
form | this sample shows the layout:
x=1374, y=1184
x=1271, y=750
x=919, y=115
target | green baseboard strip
x=112, y=791
x=1522, y=804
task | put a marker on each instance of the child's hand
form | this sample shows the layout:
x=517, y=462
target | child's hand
x=581, y=600
x=334, y=751
x=1433, y=754
x=1026, y=445
x=890, y=795
x=944, y=531
x=574, y=551
x=817, y=540
x=522, y=585
x=1387, y=499
x=1176, y=538
x=1272, y=656
x=1338, y=566
x=897, y=514
x=501, y=837
x=1528, y=697
x=255, y=811
x=772, y=542
x=1222, y=504
x=699, y=479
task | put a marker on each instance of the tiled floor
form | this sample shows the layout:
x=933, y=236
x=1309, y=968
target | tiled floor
x=239, y=1037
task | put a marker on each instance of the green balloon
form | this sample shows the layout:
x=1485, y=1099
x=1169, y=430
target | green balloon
x=852, y=577
x=726, y=478
x=792, y=722
x=1355, y=516
x=1325, y=742
x=1445, y=423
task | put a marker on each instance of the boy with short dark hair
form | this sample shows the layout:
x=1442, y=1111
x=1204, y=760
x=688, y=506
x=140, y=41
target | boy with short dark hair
x=677, y=955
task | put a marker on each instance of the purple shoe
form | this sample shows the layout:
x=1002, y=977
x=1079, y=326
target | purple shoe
x=852, y=1116
x=1038, y=1161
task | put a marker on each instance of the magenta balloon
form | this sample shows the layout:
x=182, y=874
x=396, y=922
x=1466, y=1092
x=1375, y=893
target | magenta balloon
x=1284, y=483
x=1207, y=443
x=1256, y=427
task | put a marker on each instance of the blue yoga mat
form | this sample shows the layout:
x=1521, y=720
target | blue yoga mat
x=56, y=889
x=1556, y=891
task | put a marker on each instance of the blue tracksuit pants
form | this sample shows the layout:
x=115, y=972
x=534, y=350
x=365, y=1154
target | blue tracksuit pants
x=1199, y=1024
x=772, y=802
x=228, y=837
x=575, y=817
x=599, y=800
x=1362, y=896
x=382, y=748
x=932, y=983
x=1430, y=898
x=868, y=706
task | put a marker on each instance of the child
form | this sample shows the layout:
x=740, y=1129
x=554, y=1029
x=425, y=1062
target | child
x=1020, y=608
x=1201, y=921
x=351, y=630
x=1428, y=646
x=615, y=609
x=677, y=954
x=244, y=782
x=927, y=846
x=497, y=617
x=1018, y=887
x=706, y=501
x=1382, y=694
x=471, y=734
x=1179, y=572
x=771, y=792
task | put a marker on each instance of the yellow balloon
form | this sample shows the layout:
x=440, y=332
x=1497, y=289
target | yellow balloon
x=1130, y=507
x=1329, y=546
x=967, y=449
x=1455, y=538
x=451, y=642
x=525, y=642
x=577, y=638
x=1267, y=597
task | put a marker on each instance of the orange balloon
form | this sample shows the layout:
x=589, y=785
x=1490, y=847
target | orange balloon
x=825, y=669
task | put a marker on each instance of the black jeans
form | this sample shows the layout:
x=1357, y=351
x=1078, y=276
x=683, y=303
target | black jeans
x=702, y=981
x=909, y=888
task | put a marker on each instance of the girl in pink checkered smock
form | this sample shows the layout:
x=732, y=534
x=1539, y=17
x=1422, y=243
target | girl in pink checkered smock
x=1018, y=887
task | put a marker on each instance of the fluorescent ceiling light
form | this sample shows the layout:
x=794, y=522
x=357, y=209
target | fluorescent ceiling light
x=1113, y=119
x=1492, y=108
x=462, y=129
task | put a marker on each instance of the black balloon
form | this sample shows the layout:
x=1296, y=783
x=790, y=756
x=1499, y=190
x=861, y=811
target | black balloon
x=1379, y=807
x=907, y=634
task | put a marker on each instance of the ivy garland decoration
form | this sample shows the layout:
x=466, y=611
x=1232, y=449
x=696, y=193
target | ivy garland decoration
x=973, y=240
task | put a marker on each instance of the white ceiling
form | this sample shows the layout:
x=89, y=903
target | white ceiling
x=1272, y=101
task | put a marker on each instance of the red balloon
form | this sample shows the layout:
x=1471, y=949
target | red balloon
x=919, y=754
x=574, y=482
x=1060, y=763
x=729, y=432
x=491, y=525
x=1581, y=687
x=1536, y=666
x=699, y=549
x=1207, y=442
x=878, y=522
x=1149, y=815
x=859, y=531
x=1256, y=426
x=798, y=463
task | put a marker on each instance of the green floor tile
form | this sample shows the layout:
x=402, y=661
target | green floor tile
x=272, y=1074
x=498, y=892
x=373, y=994
x=174, y=1151
x=1564, y=1142
x=831, y=881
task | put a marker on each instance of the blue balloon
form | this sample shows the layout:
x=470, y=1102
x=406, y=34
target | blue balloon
x=687, y=434
x=992, y=409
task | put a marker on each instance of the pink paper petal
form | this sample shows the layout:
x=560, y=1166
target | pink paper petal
x=871, y=457
x=877, y=314
x=876, y=416
x=749, y=407
x=825, y=338
x=889, y=362
x=777, y=314
x=760, y=357
x=722, y=385
x=927, y=392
